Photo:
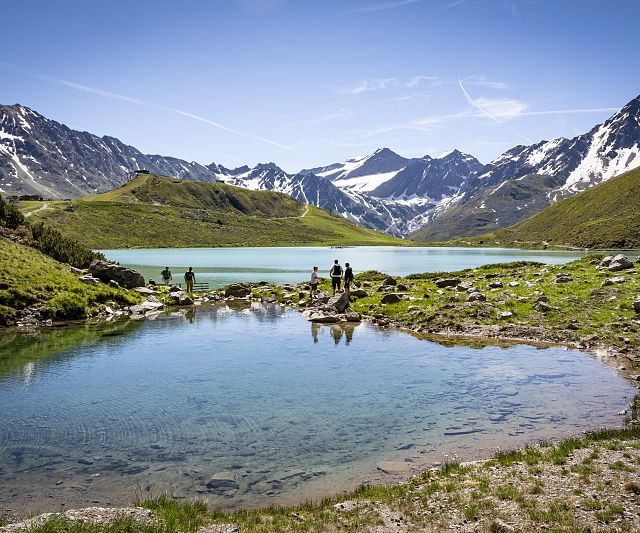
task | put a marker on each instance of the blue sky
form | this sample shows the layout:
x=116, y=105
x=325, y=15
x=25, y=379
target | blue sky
x=308, y=83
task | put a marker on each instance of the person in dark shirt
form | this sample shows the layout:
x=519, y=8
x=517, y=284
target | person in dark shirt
x=348, y=277
x=189, y=278
x=336, y=276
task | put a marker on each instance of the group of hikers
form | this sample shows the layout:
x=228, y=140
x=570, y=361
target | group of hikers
x=189, y=278
x=337, y=275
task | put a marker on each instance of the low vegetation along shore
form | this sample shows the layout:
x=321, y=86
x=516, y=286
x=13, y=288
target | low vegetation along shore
x=587, y=483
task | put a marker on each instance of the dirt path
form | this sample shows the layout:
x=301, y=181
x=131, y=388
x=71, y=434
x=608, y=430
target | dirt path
x=44, y=206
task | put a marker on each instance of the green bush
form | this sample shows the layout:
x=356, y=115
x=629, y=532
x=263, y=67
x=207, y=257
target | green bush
x=52, y=243
x=10, y=217
x=65, y=306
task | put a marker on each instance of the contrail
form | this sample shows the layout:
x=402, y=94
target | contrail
x=136, y=101
x=472, y=102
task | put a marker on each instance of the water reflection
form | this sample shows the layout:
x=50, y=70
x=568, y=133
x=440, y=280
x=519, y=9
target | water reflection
x=232, y=403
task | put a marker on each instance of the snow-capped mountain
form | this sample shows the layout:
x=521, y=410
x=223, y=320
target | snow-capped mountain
x=450, y=195
x=526, y=179
x=365, y=173
x=43, y=157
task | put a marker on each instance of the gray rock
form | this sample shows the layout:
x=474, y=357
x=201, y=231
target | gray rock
x=606, y=261
x=352, y=316
x=322, y=318
x=614, y=280
x=238, y=290
x=126, y=277
x=563, y=278
x=464, y=286
x=390, y=281
x=113, y=283
x=175, y=288
x=545, y=307
x=359, y=293
x=151, y=304
x=636, y=304
x=88, y=278
x=619, y=262
x=496, y=285
x=514, y=283
x=339, y=302
x=477, y=297
x=503, y=315
x=180, y=298
x=402, y=287
x=143, y=290
x=391, y=298
x=542, y=298
x=449, y=282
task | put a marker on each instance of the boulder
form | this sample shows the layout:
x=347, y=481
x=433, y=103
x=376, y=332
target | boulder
x=606, y=261
x=465, y=286
x=359, y=293
x=402, y=287
x=496, y=285
x=449, y=282
x=614, y=280
x=389, y=281
x=88, y=278
x=477, y=297
x=143, y=290
x=126, y=277
x=339, y=302
x=636, y=304
x=180, y=298
x=503, y=315
x=113, y=283
x=514, y=283
x=563, y=278
x=391, y=298
x=149, y=305
x=175, y=288
x=238, y=290
x=545, y=307
x=619, y=262
x=352, y=316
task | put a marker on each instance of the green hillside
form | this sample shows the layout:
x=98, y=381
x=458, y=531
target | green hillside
x=157, y=211
x=605, y=216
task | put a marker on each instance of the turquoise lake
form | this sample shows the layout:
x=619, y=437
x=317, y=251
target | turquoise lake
x=252, y=405
x=221, y=266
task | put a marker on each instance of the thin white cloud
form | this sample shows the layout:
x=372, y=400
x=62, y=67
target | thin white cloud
x=498, y=110
x=383, y=6
x=412, y=82
x=482, y=81
x=115, y=96
x=371, y=84
x=340, y=114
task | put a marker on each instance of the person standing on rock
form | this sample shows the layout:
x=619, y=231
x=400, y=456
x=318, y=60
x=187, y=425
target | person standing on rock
x=336, y=276
x=348, y=277
x=166, y=276
x=315, y=280
x=189, y=278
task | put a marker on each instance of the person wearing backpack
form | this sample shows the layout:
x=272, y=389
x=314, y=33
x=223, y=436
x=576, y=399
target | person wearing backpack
x=336, y=276
x=348, y=277
x=189, y=278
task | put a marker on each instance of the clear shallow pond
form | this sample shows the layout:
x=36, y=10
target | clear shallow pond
x=221, y=266
x=258, y=406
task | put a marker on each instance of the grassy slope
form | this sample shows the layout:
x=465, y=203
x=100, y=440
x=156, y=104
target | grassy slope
x=159, y=211
x=605, y=216
x=30, y=279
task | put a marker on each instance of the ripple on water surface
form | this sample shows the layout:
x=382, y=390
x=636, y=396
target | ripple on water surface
x=259, y=406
